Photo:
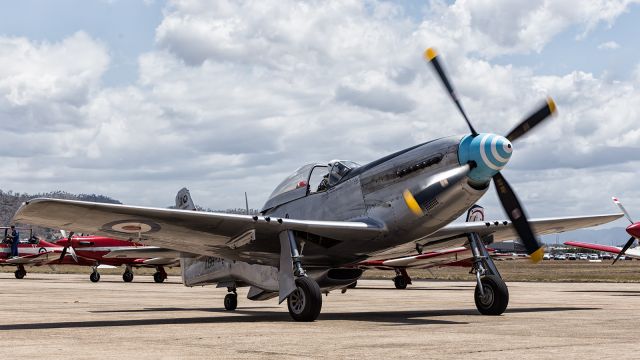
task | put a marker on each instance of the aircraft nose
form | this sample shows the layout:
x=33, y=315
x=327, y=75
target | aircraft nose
x=634, y=230
x=490, y=152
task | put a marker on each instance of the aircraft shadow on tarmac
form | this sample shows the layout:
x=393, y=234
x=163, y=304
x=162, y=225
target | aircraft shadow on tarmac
x=459, y=288
x=612, y=292
x=243, y=316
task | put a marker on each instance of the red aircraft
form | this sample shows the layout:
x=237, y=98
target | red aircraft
x=633, y=230
x=99, y=250
x=87, y=251
x=33, y=252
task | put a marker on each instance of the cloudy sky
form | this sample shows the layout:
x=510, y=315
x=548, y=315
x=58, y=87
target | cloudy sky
x=135, y=99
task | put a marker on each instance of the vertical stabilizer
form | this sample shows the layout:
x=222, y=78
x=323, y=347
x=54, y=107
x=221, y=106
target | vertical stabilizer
x=475, y=213
x=183, y=200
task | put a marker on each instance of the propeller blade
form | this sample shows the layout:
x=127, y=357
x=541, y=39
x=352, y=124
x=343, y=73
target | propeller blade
x=66, y=246
x=432, y=56
x=533, y=120
x=73, y=254
x=516, y=214
x=64, y=252
x=624, y=249
x=626, y=214
x=436, y=185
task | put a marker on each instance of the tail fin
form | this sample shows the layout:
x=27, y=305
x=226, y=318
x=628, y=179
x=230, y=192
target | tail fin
x=183, y=200
x=475, y=213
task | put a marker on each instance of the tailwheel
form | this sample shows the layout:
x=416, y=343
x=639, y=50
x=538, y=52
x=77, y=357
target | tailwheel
x=159, y=277
x=494, y=297
x=231, y=301
x=400, y=282
x=20, y=273
x=305, y=302
x=94, y=277
x=127, y=276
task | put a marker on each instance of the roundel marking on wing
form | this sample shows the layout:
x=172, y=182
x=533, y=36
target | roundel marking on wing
x=131, y=226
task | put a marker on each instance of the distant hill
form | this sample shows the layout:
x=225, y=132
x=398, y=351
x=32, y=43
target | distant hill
x=10, y=202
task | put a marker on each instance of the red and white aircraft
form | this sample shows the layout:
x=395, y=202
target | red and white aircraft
x=87, y=251
x=33, y=252
x=633, y=230
x=99, y=250
x=455, y=256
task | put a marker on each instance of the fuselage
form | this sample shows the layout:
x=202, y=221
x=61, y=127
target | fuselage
x=374, y=192
x=96, y=247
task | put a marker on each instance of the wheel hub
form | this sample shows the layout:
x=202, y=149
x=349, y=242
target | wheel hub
x=297, y=301
x=487, y=299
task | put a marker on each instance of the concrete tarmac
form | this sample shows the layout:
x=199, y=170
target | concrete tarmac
x=66, y=316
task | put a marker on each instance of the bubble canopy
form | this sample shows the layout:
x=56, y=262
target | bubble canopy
x=297, y=184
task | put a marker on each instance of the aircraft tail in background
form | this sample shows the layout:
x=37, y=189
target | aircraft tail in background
x=475, y=213
x=183, y=200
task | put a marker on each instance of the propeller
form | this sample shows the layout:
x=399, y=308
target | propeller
x=68, y=247
x=632, y=239
x=501, y=151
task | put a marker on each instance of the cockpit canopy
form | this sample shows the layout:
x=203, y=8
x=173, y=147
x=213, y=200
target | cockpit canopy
x=307, y=179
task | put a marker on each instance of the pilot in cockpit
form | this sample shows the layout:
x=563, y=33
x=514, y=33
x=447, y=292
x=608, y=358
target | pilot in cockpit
x=337, y=170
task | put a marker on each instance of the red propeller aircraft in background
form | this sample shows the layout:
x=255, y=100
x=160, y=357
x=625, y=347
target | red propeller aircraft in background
x=90, y=251
x=33, y=252
x=99, y=250
x=633, y=230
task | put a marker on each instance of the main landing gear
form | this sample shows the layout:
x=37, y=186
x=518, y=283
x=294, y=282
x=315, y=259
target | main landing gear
x=95, y=275
x=305, y=301
x=231, y=299
x=491, y=294
x=402, y=279
x=160, y=275
x=127, y=276
x=20, y=272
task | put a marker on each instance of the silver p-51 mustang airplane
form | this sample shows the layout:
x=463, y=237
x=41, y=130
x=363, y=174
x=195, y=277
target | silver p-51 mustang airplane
x=321, y=221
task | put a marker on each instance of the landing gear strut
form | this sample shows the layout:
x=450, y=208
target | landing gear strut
x=491, y=294
x=20, y=272
x=95, y=275
x=402, y=279
x=127, y=276
x=231, y=299
x=305, y=301
x=160, y=275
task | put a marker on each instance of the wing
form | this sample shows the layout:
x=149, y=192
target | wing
x=430, y=259
x=610, y=249
x=146, y=252
x=42, y=258
x=454, y=235
x=147, y=256
x=503, y=230
x=236, y=237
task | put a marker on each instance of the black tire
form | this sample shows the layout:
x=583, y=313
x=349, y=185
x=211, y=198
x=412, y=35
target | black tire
x=352, y=285
x=305, y=302
x=159, y=277
x=400, y=282
x=231, y=302
x=94, y=277
x=127, y=276
x=20, y=274
x=496, y=296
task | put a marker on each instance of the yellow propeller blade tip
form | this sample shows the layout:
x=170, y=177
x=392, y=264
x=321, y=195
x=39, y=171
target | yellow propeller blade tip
x=537, y=255
x=430, y=53
x=552, y=105
x=411, y=203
